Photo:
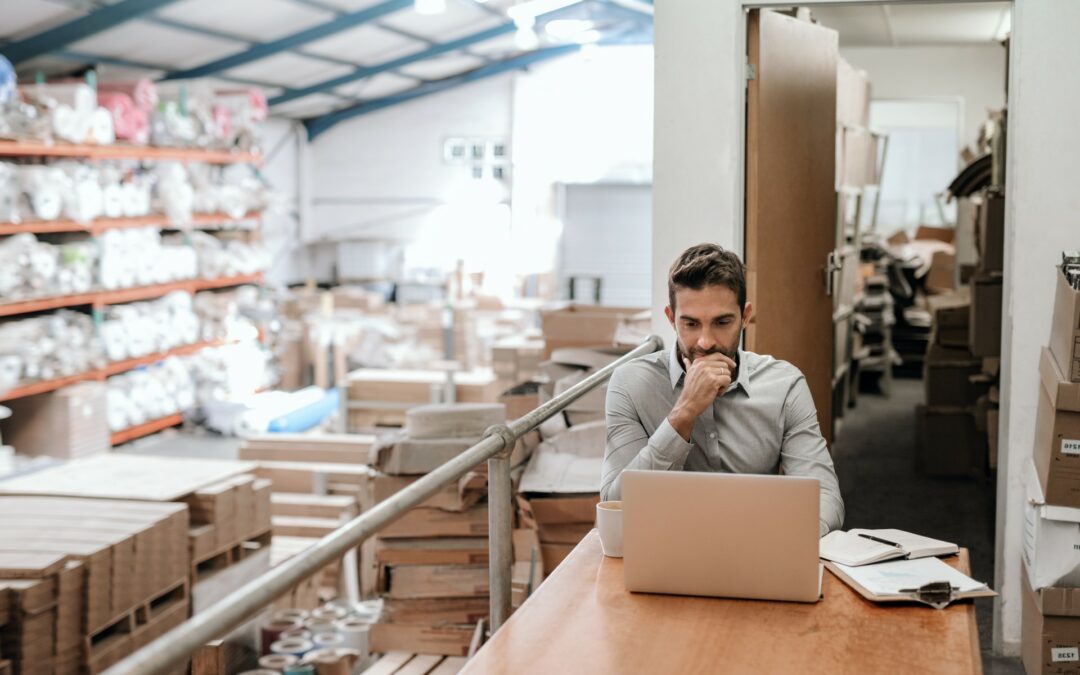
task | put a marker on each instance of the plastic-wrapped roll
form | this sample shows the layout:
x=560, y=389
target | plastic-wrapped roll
x=100, y=127
x=143, y=93
x=9, y=193
x=7, y=81
x=130, y=122
x=333, y=612
x=45, y=187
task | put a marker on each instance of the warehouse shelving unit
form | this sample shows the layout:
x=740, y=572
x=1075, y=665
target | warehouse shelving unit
x=121, y=151
x=99, y=299
x=100, y=225
x=114, y=368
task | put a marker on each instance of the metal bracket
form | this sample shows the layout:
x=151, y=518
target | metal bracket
x=937, y=594
x=508, y=438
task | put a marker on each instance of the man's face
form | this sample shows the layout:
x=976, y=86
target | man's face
x=707, y=321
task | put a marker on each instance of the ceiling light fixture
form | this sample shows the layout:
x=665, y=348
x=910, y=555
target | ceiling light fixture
x=429, y=7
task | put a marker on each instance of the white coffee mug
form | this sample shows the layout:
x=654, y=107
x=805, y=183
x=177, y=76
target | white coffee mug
x=609, y=522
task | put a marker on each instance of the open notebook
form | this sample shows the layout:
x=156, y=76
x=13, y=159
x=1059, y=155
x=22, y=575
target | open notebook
x=863, y=547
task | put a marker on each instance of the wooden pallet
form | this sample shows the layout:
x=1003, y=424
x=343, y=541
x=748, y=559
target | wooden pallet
x=404, y=663
x=138, y=627
x=229, y=555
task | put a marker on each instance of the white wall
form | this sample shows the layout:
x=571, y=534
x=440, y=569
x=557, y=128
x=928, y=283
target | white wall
x=700, y=47
x=583, y=119
x=698, y=156
x=281, y=222
x=974, y=74
x=1041, y=206
x=382, y=175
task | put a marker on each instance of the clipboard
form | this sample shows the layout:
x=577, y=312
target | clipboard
x=937, y=594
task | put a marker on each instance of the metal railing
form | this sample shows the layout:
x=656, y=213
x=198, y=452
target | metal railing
x=176, y=646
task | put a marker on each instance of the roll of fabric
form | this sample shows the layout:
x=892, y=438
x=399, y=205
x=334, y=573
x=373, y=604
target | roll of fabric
x=143, y=93
x=130, y=122
x=299, y=669
x=100, y=127
x=319, y=626
x=7, y=81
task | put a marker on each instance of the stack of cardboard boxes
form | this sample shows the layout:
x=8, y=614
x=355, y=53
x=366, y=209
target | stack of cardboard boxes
x=959, y=420
x=560, y=488
x=1051, y=605
x=433, y=562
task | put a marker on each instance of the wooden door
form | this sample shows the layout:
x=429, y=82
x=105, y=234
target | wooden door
x=790, y=196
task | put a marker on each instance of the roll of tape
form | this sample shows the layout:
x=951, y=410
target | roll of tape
x=331, y=612
x=300, y=669
x=317, y=626
x=261, y=671
x=278, y=661
x=355, y=634
x=294, y=646
x=329, y=640
x=273, y=630
x=299, y=633
x=294, y=614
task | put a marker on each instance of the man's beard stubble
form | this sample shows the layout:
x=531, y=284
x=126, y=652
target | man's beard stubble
x=693, y=354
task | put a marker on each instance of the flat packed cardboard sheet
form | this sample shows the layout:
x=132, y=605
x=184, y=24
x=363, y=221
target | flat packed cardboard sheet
x=568, y=463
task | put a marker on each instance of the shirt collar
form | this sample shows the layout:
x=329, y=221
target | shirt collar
x=676, y=372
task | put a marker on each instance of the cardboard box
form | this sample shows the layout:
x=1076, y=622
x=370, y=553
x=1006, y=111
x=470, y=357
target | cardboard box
x=984, y=336
x=67, y=423
x=1057, y=435
x=572, y=325
x=553, y=554
x=449, y=639
x=432, y=551
x=991, y=234
x=456, y=497
x=424, y=522
x=941, y=278
x=1050, y=630
x=1065, y=329
x=946, y=377
x=435, y=610
x=951, y=313
x=400, y=455
x=949, y=444
x=436, y=581
x=1051, y=538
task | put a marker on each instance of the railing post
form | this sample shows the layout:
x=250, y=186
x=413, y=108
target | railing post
x=500, y=527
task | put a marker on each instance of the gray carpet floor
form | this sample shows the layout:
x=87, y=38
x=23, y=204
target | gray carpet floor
x=874, y=456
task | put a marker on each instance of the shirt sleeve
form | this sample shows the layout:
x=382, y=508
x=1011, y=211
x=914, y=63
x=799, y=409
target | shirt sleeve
x=804, y=453
x=628, y=444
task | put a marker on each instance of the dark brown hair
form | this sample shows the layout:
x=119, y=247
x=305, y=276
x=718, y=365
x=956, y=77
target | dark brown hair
x=707, y=265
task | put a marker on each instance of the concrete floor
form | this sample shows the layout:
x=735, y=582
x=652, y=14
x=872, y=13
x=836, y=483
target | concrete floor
x=874, y=456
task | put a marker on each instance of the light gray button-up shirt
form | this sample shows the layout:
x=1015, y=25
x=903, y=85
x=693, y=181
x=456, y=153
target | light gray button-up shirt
x=764, y=421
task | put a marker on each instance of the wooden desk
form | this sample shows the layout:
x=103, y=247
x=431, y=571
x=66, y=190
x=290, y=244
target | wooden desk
x=582, y=620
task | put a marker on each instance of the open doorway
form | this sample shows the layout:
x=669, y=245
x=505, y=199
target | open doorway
x=873, y=242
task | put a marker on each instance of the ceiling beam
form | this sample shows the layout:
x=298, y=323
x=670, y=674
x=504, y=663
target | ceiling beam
x=261, y=51
x=93, y=23
x=394, y=64
x=318, y=125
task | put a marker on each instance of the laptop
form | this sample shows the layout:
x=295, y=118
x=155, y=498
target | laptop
x=723, y=535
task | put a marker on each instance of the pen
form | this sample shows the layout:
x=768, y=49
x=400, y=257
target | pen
x=880, y=540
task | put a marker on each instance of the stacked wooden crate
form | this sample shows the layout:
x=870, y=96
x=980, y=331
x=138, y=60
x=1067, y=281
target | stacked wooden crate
x=433, y=572
x=91, y=580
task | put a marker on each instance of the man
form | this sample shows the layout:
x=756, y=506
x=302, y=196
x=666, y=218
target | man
x=706, y=404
